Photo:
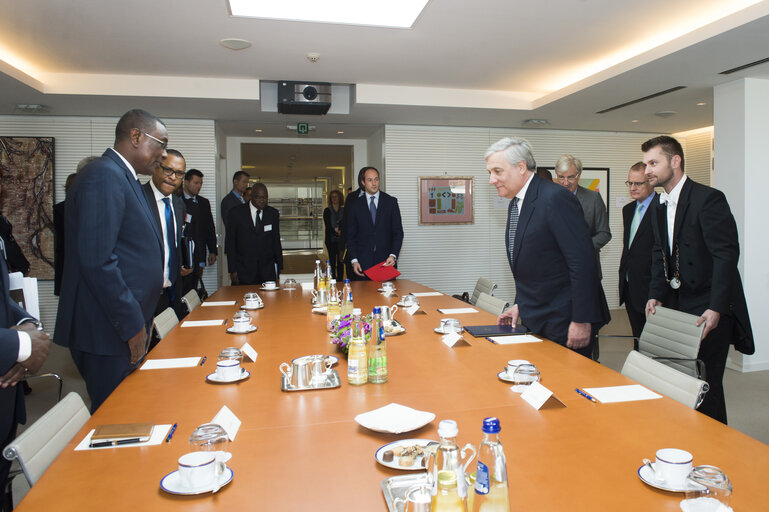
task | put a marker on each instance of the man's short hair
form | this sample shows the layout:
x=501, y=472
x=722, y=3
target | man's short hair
x=258, y=185
x=174, y=152
x=670, y=146
x=362, y=174
x=565, y=162
x=545, y=174
x=515, y=150
x=191, y=173
x=85, y=161
x=136, y=118
x=239, y=174
x=638, y=166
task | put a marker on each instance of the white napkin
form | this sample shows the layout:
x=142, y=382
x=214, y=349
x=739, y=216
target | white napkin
x=210, y=303
x=394, y=418
x=202, y=323
x=177, y=362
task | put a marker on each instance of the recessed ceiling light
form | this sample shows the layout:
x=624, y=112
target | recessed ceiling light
x=666, y=113
x=258, y=130
x=634, y=121
x=398, y=14
x=235, y=44
x=701, y=104
x=340, y=132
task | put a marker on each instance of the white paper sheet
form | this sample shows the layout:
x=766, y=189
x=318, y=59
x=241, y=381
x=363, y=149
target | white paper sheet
x=202, y=323
x=211, y=303
x=629, y=393
x=177, y=362
x=159, y=433
x=512, y=340
x=229, y=422
x=427, y=294
x=457, y=311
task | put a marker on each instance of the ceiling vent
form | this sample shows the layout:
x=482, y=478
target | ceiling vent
x=744, y=66
x=304, y=98
x=639, y=100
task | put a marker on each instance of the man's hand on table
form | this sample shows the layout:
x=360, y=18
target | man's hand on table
x=509, y=317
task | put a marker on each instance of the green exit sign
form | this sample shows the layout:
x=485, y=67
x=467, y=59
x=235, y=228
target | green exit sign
x=302, y=128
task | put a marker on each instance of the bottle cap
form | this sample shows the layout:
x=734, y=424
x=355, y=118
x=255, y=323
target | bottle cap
x=491, y=425
x=317, y=261
x=332, y=281
x=346, y=281
x=377, y=310
x=448, y=428
x=356, y=311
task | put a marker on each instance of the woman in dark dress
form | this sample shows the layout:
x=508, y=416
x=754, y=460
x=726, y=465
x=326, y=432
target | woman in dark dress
x=332, y=218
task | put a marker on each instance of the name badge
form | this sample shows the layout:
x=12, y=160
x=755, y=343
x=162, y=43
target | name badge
x=188, y=218
x=267, y=227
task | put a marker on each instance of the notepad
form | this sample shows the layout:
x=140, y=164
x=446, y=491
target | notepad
x=157, y=437
x=118, y=431
x=456, y=311
x=427, y=294
x=628, y=393
x=202, y=323
x=512, y=340
x=162, y=364
x=219, y=303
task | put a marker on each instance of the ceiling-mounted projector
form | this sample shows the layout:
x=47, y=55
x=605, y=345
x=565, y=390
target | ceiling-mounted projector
x=304, y=98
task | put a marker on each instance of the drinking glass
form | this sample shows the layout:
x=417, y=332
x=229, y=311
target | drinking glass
x=524, y=376
x=709, y=490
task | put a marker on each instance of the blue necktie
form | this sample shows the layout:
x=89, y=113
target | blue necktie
x=512, y=227
x=372, y=209
x=171, y=241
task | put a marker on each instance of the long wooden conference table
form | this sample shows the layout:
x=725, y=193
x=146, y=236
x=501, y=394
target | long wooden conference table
x=303, y=451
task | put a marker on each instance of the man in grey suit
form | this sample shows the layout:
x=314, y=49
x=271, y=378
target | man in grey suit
x=113, y=269
x=568, y=169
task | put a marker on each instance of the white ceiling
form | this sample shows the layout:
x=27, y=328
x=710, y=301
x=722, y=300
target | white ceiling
x=481, y=63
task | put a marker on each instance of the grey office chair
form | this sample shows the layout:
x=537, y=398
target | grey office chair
x=191, y=300
x=673, y=338
x=482, y=286
x=491, y=304
x=164, y=322
x=665, y=380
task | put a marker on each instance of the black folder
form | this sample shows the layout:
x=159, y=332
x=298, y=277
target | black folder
x=480, y=331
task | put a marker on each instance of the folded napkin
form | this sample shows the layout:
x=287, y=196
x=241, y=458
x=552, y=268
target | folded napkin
x=394, y=418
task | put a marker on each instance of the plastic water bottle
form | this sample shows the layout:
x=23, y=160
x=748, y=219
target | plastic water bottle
x=377, y=350
x=491, y=474
x=357, y=356
x=347, y=304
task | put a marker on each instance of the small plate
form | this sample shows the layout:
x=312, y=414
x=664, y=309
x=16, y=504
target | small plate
x=212, y=377
x=252, y=309
x=231, y=331
x=505, y=377
x=171, y=483
x=647, y=476
x=383, y=290
x=395, y=464
x=269, y=289
x=334, y=359
x=400, y=304
x=396, y=331
x=441, y=331
x=394, y=419
x=322, y=310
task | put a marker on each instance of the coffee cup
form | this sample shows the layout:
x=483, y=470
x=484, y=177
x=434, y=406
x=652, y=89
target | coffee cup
x=252, y=300
x=450, y=325
x=228, y=369
x=409, y=300
x=269, y=285
x=513, y=364
x=672, y=466
x=197, y=470
x=241, y=321
x=388, y=286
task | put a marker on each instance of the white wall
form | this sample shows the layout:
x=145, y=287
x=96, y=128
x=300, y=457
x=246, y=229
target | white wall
x=78, y=137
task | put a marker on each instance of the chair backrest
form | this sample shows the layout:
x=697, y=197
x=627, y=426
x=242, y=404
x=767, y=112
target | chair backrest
x=491, y=304
x=672, y=334
x=191, y=299
x=665, y=380
x=164, y=322
x=482, y=286
x=43, y=441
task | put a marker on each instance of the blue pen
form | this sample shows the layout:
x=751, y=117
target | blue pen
x=171, y=433
x=202, y=361
x=585, y=395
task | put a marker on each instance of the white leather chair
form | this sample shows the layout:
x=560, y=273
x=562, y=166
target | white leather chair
x=673, y=338
x=482, y=286
x=665, y=380
x=491, y=304
x=164, y=322
x=191, y=300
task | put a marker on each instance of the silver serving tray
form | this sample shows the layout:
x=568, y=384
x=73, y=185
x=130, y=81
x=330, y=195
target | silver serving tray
x=396, y=487
x=332, y=381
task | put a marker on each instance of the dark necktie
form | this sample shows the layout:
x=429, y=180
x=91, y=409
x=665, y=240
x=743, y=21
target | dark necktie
x=171, y=241
x=512, y=227
x=372, y=209
x=257, y=219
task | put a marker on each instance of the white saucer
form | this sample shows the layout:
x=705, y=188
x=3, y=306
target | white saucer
x=647, y=476
x=269, y=289
x=171, y=483
x=250, y=330
x=504, y=376
x=383, y=290
x=395, y=332
x=252, y=309
x=441, y=331
x=212, y=377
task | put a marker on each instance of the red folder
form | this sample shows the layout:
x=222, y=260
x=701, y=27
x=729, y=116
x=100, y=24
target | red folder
x=381, y=273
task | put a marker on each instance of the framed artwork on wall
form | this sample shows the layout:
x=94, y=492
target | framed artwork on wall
x=446, y=200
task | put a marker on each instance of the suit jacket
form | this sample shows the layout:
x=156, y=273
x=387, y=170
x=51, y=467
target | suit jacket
x=228, y=202
x=201, y=227
x=553, y=263
x=58, y=245
x=373, y=243
x=597, y=218
x=706, y=240
x=179, y=214
x=113, y=269
x=253, y=252
x=11, y=398
x=636, y=260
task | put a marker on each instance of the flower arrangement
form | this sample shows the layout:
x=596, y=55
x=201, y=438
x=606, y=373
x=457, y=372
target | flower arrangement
x=341, y=330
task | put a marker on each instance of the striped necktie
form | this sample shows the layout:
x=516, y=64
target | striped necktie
x=512, y=227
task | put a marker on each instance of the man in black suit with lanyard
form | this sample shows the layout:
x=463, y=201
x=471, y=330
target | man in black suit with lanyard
x=694, y=263
x=637, y=241
x=200, y=228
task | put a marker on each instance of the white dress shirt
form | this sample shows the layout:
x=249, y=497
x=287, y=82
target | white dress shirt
x=672, y=205
x=161, y=206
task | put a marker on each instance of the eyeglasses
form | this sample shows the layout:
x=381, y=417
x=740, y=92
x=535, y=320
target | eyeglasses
x=631, y=184
x=168, y=172
x=570, y=179
x=163, y=145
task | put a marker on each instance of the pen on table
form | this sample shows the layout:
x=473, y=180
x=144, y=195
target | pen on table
x=171, y=433
x=102, y=444
x=585, y=395
x=202, y=361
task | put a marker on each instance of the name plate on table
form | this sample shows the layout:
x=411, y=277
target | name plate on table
x=229, y=422
x=249, y=351
x=415, y=310
x=453, y=339
x=539, y=397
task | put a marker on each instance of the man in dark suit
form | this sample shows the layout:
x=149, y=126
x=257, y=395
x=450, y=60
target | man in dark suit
x=200, y=227
x=374, y=229
x=166, y=206
x=558, y=294
x=694, y=263
x=23, y=350
x=637, y=242
x=235, y=196
x=254, y=252
x=113, y=269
